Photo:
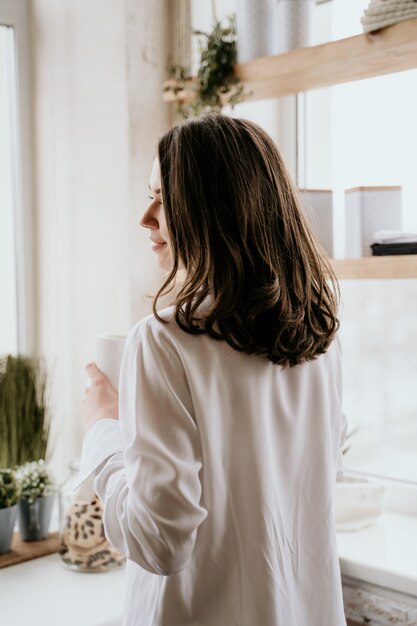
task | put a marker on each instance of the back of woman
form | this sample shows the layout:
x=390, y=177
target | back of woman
x=219, y=488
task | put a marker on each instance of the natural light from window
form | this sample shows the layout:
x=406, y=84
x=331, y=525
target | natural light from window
x=8, y=187
x=364, y=134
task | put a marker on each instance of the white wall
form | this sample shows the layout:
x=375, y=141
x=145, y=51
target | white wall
x=97, y=69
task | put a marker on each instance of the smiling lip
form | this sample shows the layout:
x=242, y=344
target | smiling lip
x=157, y=245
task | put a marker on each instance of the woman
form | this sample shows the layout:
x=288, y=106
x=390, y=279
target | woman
x=217, y=481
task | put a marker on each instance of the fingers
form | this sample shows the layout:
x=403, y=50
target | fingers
x=93, y=371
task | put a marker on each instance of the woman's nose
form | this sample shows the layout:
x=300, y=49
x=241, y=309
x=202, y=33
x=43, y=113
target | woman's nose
x=148, y=219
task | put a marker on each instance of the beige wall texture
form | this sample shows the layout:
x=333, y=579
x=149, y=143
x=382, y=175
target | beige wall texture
x=97, y=73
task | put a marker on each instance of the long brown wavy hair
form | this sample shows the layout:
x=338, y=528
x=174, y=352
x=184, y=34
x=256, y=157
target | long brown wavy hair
x=236, y=225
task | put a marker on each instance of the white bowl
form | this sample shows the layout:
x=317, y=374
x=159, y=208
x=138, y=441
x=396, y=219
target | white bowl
x=358, y=502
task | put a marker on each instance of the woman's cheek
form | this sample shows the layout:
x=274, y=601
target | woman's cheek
x=166, y=259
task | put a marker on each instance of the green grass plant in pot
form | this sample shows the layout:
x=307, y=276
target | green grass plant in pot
x=38, y=493
x=25, y=436
x=24, y=414
x=9, y=497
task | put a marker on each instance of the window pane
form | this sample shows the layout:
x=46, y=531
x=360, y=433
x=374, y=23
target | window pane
x=8, y=308
x=363, y=134
x=379, y=339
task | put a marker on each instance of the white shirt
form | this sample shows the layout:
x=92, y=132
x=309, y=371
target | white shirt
x=219, y=481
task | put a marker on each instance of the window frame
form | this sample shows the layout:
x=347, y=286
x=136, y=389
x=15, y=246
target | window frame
x=16, y=14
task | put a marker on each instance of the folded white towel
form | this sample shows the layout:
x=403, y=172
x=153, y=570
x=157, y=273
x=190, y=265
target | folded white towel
x=382, y=6
x=381, y=13
x=394, y=236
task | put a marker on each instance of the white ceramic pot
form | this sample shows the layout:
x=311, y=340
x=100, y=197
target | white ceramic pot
x=254, y=28
x=267, y=27
x=358, y=503
x=292, y=24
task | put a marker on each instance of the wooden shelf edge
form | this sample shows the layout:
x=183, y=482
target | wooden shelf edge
x=383, y=267
x=391, y=49
x=21, y=551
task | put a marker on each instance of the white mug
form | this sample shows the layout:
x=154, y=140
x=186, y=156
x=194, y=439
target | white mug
x=108, y=354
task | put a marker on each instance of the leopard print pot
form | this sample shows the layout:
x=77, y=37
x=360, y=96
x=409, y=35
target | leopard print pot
x=83, y=544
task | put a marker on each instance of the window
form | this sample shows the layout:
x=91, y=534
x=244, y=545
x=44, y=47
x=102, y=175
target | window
x=363, y=134
x=8, y=326
x=16, y=224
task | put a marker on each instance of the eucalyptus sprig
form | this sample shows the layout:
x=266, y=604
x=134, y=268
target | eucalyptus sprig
x=348, y=440
x=9, y=488
x=35, y=480
x=24, y=418
x=215, y=84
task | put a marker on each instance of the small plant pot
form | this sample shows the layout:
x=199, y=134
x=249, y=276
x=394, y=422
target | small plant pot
x=7, y=521
x=35, y=517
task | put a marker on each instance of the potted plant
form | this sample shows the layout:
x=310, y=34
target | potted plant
x=215, y=84
x=38, y=492
x=24, y=413
x=9, y=496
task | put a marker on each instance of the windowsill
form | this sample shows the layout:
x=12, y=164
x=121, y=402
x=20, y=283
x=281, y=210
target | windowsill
x=55, y=595
x=384, y=553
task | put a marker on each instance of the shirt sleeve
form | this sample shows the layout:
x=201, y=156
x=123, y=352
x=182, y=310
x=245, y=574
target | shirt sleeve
x=151, y=491
x=102, y=440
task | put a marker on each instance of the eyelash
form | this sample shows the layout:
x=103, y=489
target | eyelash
x=151, y=198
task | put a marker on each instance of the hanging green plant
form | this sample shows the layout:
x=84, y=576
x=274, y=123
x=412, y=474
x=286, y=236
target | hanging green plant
x=215, y=84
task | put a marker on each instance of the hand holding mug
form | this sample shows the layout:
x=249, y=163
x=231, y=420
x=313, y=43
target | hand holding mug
x=100, y=399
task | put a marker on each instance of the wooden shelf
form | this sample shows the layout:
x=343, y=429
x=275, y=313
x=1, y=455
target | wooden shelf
x=388, y=50
x=21, y=551
x=387, y=267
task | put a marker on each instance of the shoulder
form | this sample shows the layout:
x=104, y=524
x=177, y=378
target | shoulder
x=153, y=350
x=150, y=330
x=334, y=361
x=337, y=347
x=333, y=353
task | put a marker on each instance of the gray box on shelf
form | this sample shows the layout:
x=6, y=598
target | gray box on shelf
x=318, y=207
x=367, y=210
